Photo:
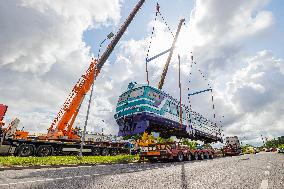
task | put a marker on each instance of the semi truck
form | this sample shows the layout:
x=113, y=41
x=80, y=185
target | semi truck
x=174, y=151
x=232, y=146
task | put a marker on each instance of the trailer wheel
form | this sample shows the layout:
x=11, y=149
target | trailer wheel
x=96, y=151
x=206, y=155
x=25, y=150
x=179, y=157
x=152, y=160
x=44, y=150
x=105, y=152
x=189, y=157
x=196, y=156
x=211, y=156
x=201, y=156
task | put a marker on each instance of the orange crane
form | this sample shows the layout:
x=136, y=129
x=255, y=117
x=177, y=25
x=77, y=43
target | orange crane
x=62, y=125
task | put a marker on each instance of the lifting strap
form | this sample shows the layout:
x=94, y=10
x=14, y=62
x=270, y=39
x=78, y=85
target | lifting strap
x=158, y=12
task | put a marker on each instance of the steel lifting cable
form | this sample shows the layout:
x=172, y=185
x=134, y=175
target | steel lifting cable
x=151, y=38
x=209, y=89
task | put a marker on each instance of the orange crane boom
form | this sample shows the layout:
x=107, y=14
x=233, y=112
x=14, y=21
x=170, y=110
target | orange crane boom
x=68, y=113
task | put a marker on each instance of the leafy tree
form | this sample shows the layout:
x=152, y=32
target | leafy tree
x=274, y=143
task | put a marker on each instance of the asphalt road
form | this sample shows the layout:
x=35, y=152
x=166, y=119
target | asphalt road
x=263, y=170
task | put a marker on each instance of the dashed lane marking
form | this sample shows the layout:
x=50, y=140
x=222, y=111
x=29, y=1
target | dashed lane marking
x=86, y=175
x=264, y=184
x=84, y=166
x=38, y=181
x=266, y=172
x=68, y=177
x=268, y=167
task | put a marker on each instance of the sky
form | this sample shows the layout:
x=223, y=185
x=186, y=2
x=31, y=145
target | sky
x=45, y=46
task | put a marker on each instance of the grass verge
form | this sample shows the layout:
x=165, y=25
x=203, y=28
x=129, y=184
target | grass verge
x=11, y=161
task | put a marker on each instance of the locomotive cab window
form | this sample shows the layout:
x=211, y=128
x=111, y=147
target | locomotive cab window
x=153, y=95
x=137, y=93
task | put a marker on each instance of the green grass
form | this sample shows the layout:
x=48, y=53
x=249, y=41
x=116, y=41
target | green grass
x=65, y=160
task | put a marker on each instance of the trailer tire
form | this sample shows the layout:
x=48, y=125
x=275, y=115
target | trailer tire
x=105, y=152
x=201, y=156
x=25, y=150
x=44, y=150
x=206, y=155
x=152, y=160
x=211, y=156
x=196, y=156
x=179, y=157
x=189, y=157
x=96, y=151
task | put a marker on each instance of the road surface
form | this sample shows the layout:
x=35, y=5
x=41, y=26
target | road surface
x=262, y=170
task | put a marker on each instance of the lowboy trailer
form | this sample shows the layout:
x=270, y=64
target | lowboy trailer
x=174, y=151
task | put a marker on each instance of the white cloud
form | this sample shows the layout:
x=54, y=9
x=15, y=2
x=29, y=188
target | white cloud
x=43, y=53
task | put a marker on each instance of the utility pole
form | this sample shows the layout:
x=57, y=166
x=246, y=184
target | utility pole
x=179, y=84
x=105, y=56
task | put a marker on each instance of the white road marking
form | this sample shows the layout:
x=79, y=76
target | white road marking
x=40, y=180
x=264, y=184
x=131, y=170
x=156, y=167
x=84, y=166
x=95, y=174
x=148, y=168
x=266, y=172
x=140, y=169
x=68, y=177
x=86, y=175
x=4, y=184
x=78, y=176
x=58, y=178
x=268, y=167
x=49, y=179
x=31, y=181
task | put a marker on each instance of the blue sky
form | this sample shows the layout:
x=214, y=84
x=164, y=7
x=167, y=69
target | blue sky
x=273, y=38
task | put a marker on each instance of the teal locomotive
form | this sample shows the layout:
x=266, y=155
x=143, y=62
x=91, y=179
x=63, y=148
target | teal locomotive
x=143, y=108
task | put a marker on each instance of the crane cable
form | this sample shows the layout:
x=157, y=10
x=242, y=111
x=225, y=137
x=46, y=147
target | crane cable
x=158, y=13
x=212, y=98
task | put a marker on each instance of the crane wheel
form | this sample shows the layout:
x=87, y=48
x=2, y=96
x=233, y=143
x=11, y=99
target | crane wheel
x=113, y=152
x=25, y=150
x=105, y=152
x=179, y=157
x=96, y=151
x=44, y=150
